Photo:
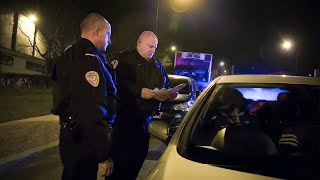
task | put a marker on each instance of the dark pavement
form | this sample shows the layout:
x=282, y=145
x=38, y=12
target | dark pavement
x=29, y=150
x=22, y=135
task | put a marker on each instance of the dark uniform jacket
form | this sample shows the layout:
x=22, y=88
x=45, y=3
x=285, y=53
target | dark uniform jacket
x=134, y=73
x=83, y=85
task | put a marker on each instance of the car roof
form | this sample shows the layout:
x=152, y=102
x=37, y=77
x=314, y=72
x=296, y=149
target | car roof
x=267, y=79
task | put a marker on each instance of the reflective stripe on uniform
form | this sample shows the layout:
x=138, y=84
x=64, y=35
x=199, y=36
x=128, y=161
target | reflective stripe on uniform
x=289, y=139
x=288, y=135
x=88, y=54
x=289, y=143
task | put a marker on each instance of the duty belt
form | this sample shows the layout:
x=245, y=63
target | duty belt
x=65, y=122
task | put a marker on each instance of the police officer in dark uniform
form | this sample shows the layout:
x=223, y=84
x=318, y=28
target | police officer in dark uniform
x=81, y=95
x=138, y=74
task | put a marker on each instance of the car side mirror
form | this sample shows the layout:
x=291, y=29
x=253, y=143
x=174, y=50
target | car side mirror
x=159, y=130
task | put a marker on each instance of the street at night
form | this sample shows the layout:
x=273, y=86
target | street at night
x=207, y=80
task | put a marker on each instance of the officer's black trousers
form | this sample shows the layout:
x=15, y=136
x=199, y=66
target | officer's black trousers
x=78, y=162
x=128, y=154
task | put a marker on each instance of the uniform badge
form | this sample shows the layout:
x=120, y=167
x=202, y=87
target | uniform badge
x=93, y=78
x=114, y=63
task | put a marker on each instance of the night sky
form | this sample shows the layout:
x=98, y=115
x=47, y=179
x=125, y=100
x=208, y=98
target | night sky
x=240, y=32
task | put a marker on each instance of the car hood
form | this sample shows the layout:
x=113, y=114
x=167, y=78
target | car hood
x=172, y=166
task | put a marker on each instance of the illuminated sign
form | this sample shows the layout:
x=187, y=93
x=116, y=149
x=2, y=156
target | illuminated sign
x=195, y=65
x=193, y=56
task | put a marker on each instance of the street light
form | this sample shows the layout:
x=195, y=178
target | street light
x=33, y=18
x=287, y=45
x=173, y=48
x=221, y=63
x=176, y=5
x=180, y=5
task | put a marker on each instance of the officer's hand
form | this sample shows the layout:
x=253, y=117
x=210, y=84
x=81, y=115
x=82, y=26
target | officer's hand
x=106, y=168
x=148, y=93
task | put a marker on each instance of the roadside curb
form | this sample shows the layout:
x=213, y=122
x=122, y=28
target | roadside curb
x=25, y=154
x=48, y=117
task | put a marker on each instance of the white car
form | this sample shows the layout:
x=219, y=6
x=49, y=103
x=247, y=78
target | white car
x=246, y=127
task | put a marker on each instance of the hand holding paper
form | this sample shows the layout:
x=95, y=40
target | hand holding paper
x=148, y=93
x=164, y=94
x=161, y=94
x=177, y=88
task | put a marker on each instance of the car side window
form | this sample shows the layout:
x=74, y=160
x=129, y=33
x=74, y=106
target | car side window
x=192, y=124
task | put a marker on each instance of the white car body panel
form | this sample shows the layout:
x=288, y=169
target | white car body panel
x=171, y=166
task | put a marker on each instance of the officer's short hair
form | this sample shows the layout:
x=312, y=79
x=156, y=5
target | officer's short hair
x=145, y=34
x=92, y=20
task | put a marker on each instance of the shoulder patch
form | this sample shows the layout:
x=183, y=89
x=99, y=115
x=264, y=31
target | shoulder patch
x=114, y=63
x=89, y=54
x=93, y=78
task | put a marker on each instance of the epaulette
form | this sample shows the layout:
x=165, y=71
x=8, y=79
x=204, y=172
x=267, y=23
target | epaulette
x=89, y=54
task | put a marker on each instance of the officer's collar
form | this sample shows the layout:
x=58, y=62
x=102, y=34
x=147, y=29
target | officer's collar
x=152, y=60
x=86, y=43
x=89, y=44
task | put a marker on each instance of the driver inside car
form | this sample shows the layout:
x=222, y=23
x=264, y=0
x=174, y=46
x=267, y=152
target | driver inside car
x=230, y=106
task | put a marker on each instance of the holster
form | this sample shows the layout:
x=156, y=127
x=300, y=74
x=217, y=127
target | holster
x=67, y=123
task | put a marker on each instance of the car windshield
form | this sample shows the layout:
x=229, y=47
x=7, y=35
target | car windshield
x=174, y=82
x=268, y=129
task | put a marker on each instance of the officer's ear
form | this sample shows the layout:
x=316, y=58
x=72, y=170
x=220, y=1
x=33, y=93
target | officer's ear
x=96, y=31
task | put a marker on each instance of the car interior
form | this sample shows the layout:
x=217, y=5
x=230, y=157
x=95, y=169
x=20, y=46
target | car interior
x=277, y=131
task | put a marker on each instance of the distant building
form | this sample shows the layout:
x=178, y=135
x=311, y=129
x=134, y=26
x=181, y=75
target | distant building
x=18, y=38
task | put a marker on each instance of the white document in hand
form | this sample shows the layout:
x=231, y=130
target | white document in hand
x=177, y=88
x=162, y=94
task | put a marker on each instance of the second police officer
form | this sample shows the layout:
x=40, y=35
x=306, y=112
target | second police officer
x=81, y=95
x=138, y=74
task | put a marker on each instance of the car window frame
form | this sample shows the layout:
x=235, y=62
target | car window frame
x=190, y=119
